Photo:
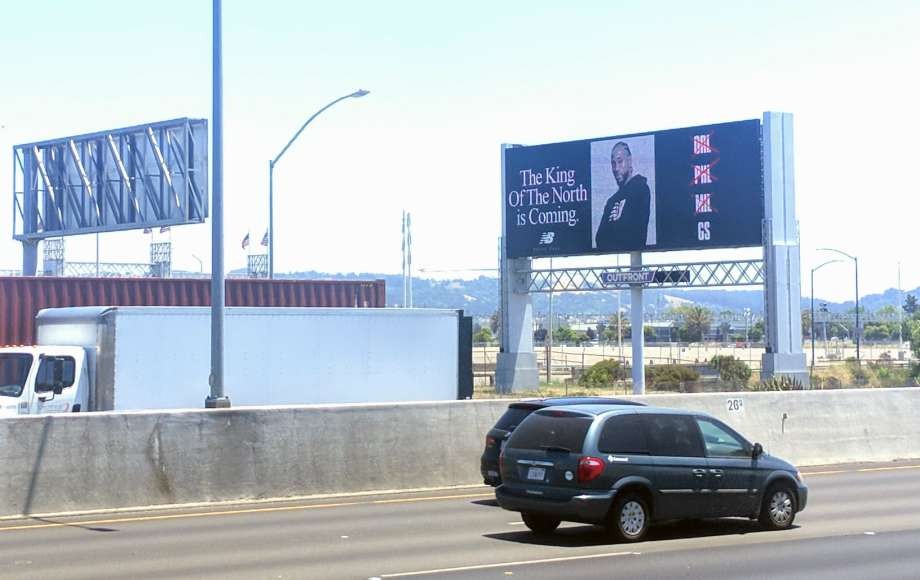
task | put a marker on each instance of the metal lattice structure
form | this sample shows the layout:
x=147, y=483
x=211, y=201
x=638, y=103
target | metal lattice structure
x=161, y=259
x=108, y=270
x=257, y=265
x=131, y=178
x=689, y=275
x=53, y=255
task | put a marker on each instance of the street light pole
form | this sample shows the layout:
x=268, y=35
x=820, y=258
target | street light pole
x=812, y=330
x=271, y=178
x=217, y=398
x=856, y=275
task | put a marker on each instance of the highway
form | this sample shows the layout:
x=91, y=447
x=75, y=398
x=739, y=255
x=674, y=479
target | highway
x=862, y=521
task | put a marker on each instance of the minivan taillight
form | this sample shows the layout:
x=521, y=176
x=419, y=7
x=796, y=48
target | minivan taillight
x=590, y=468
x=490, y=442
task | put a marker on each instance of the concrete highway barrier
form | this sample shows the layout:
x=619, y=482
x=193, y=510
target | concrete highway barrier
x=90, y=461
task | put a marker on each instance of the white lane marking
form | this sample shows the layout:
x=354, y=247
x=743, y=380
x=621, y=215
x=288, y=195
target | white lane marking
x=868, y=533
x=286, y=508
x=508, y=564
x=515, y=523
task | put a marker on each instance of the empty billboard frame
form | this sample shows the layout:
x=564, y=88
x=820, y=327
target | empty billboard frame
x=145, y=176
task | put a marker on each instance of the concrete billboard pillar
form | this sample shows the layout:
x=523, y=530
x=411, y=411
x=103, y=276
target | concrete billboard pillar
x=782, y=291
x=516, y=366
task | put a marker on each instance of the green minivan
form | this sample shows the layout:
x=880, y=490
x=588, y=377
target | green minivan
x=626, y=467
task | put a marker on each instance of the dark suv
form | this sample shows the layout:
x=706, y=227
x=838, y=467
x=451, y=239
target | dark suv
x=517, y=412
x=626, y=467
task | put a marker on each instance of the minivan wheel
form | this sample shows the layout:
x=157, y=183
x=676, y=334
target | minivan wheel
x=779, y=507
x=540, y=524
x=629, y=518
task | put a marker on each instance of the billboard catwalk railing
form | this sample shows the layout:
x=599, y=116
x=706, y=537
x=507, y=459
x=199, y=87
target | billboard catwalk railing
x=687, y=275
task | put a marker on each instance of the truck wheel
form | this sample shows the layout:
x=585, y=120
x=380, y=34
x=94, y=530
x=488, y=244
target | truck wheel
x=540, y=524
x=629, y=519
x=777, y=512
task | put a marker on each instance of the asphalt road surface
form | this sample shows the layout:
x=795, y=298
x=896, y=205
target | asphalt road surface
x=862, y=521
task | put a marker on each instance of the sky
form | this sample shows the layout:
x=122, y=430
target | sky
x=448, y=84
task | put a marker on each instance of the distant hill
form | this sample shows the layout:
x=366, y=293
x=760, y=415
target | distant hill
x=479, y=296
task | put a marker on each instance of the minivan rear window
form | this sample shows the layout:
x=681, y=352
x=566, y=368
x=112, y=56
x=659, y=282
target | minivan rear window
x=558, y=430
x=623, y=434
x=513, y=417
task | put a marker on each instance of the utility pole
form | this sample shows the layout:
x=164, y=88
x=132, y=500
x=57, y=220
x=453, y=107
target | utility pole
x=900, y=312
x=217, y=398
x=549, y=336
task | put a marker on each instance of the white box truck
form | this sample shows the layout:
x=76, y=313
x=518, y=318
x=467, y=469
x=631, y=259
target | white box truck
x=133, y=358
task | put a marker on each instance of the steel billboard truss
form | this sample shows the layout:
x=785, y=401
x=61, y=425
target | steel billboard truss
x=686, y=275
x=131, y=178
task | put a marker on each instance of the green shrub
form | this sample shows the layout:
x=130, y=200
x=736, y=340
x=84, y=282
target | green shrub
x=669, y=377
x=603, y=374
x=731, y=370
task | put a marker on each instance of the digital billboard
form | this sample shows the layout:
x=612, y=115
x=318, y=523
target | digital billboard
x=678, y=189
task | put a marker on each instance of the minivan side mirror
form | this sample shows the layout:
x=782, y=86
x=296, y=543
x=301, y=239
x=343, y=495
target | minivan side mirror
x=757, y=451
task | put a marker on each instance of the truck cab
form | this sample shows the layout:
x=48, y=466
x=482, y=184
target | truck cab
x=42, y=379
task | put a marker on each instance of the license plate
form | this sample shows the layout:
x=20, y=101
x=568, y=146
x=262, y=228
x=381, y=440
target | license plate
x=537, y=473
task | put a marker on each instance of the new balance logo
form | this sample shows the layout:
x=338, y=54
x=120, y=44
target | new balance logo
x=616, y=212
x=546, y=238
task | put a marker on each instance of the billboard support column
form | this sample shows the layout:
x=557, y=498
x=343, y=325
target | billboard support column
x=782, y=290
x=29, y=257
x=516, y=366
x=638, y=328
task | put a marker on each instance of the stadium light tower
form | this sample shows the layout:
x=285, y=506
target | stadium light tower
x=271, y=178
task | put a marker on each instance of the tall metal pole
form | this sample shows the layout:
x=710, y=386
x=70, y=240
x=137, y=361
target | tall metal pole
x=217, y=398
x=813, y=270
x=812, y=331
x=271, y=219
x=271, y=170
x=900, y=312
x=858, y=330
x=549, y=336
x=856, y=275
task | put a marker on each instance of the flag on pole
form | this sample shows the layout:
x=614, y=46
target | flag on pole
x=246, y=241
x=264, y=241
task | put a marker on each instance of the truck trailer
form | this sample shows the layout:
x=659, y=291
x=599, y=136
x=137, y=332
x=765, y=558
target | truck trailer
x=136, y=358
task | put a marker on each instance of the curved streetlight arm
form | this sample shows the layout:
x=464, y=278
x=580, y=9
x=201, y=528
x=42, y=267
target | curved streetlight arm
x=356, y=94
x=271, y=178
x=841, y=252
x=818, y=267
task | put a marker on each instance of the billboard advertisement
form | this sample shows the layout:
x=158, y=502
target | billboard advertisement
x=678, y=189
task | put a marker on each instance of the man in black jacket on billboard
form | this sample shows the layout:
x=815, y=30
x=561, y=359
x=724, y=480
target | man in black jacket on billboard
x=624, y=223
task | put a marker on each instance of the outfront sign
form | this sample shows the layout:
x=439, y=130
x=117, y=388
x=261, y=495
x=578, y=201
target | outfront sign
x=612, y=278
x=679, y=189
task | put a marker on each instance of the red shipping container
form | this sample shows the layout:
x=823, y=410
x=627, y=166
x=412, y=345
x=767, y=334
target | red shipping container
x=22, y=297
